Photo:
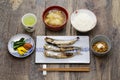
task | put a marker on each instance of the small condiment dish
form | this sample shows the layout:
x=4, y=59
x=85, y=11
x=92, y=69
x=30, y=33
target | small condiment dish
x=101, y=38
x=50, y=9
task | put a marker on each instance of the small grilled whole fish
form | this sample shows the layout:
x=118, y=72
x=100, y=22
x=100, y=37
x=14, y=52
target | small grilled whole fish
x=60, y=55
x=60, y=48
x=60, y=42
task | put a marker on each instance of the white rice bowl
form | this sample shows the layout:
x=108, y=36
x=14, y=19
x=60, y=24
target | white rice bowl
x=83, y=20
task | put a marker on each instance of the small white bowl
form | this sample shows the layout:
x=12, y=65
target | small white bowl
x=31, y=27
x=83, y=20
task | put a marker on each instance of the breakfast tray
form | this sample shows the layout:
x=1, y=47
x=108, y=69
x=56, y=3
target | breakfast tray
x=83, y=57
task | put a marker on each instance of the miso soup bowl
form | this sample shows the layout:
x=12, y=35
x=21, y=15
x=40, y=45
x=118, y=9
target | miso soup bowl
x=57, y=28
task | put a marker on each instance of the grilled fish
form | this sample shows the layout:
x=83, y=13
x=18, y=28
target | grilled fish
x=60, y=55
x=60, y=48
x=57, y=42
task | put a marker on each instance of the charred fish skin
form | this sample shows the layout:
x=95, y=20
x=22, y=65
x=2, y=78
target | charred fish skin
x=59, y=55
x=49, y=40
x=62, y=48
x=57, y=42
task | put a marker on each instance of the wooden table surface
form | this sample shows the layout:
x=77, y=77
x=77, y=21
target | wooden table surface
x=108, y=15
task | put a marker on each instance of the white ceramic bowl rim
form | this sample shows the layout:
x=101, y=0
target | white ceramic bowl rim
x=86, y=11
x=28, y=15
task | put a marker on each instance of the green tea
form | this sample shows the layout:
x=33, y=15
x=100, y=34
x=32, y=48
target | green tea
x=29, y=21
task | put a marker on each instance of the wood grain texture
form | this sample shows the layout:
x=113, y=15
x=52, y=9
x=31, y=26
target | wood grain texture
x=72, y=69
x=108, y=15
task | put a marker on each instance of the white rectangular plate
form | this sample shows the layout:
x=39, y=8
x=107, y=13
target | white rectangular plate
x=83, y=42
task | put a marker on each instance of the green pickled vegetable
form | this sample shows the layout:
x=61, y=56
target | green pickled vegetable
x=19, y=43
